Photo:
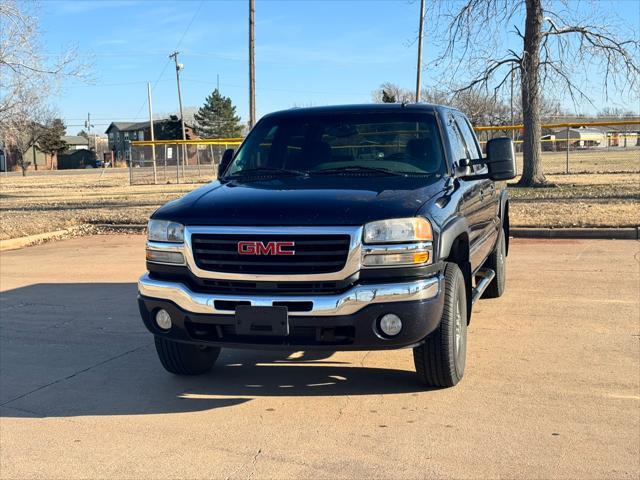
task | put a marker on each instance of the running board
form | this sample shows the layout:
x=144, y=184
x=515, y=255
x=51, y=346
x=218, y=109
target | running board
x=483, y=279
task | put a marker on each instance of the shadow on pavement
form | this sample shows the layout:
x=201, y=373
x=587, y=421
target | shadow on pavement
x=80, y=349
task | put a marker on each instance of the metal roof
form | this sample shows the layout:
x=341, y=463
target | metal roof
x=75, y=140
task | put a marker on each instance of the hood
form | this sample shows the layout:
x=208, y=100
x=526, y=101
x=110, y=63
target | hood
x=300, y=201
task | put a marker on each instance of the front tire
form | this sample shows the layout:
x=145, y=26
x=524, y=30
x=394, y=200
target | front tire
x=497, y=261
x=440, y=361
x=184, y=358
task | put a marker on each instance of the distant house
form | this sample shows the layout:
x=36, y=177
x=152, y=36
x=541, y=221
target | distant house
x=580, y=138
x=35, y=158
x=121, y=133
x=621, y=135
x=76, y=142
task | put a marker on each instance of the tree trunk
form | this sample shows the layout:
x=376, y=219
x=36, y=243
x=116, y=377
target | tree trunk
x=23, y=163
x=532, y=173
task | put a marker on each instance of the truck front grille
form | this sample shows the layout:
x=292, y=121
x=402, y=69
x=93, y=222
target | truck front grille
x=313, y=254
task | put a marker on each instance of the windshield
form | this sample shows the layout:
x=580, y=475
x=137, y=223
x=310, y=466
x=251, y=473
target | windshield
x=374, y=143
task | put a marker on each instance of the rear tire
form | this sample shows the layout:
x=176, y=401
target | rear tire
x=440, y=361
x=185, y=358
x=497, y=262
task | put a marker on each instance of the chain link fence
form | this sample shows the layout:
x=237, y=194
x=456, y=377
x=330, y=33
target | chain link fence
x=571, y=148
x=176, y=161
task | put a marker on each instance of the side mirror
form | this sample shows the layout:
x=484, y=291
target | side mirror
x=227, y=156
x=501, y=159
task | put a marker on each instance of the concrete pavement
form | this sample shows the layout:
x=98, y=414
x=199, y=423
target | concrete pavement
x=552, y=387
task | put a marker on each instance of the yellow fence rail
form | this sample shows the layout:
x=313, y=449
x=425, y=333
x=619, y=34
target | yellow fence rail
x=489, y=128
x=203, y=141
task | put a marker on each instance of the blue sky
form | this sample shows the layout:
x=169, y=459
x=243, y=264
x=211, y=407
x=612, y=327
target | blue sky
x=307, y=53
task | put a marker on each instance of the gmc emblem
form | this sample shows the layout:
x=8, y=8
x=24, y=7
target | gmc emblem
x=271, y=248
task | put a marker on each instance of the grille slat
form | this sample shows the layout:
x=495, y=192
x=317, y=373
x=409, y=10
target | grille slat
x=268, y=264
x=313, y=253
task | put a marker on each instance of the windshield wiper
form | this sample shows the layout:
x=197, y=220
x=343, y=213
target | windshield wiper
x=268, y=171
x=357, y=168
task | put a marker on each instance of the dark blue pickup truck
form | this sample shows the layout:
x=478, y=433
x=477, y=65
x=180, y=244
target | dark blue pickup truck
x=354, y=227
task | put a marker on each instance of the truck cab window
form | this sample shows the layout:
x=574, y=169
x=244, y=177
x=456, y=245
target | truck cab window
x=473, y=148
x=402, y=143
x=457, y=141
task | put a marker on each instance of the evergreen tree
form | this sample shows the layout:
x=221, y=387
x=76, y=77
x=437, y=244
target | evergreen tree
x=217, y=118
x=51, y=141
x=388, y=97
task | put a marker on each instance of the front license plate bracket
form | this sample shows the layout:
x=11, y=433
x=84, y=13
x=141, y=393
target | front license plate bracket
x=264, y=321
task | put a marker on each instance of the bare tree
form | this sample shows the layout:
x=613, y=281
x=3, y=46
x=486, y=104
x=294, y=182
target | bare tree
x=481, y=107
x=28, y=76
x=558, y=39
x=29, y=124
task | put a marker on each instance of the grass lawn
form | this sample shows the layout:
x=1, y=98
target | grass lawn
x=60, y=200
x=593, y=160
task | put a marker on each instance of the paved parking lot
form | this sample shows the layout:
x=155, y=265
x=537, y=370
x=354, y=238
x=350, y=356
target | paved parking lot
x=552, y=387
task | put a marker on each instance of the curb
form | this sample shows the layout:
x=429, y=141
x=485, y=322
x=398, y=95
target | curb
x=20, y=242
x=125, y=227
x=630, y=233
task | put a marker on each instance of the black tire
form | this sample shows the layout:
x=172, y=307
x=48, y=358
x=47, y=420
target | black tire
x=497, y=262
x=440, y=361
x=184, y=358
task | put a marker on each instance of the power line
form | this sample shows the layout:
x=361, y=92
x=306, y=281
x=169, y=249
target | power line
x=186, y=30
x=152, y=88
x=118, y=84
x=195, y=14
x=273, y=89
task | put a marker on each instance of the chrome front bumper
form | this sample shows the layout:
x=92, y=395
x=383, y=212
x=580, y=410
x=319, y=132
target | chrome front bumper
x=345, y=303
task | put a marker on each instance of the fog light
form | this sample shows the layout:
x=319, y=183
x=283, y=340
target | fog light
x=160, y=256
x=390, y=325
x=163, y=319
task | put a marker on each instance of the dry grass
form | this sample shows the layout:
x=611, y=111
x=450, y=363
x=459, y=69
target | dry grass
x=605, y=200
x=44, y=203
x=594, y=160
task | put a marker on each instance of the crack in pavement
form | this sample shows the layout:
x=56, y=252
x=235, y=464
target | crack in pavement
x=59, y=380
x=364, y=358
x=243, y=465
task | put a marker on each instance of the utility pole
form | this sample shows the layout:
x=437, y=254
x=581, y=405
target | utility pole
x=88, y=126
x=179, y=67
x=420, y=35
x=218, y=82
x=153, y=146
x=252, y=67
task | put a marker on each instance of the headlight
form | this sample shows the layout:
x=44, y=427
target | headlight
x=399, y=230
x=163, y=231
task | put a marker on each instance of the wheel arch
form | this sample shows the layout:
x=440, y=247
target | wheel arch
x=454, y=248
x=504, y=218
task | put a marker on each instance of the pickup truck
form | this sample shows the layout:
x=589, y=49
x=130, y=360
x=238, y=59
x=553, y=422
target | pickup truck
x=357, y=227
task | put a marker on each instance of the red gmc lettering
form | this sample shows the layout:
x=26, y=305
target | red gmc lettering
x=271, y=248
